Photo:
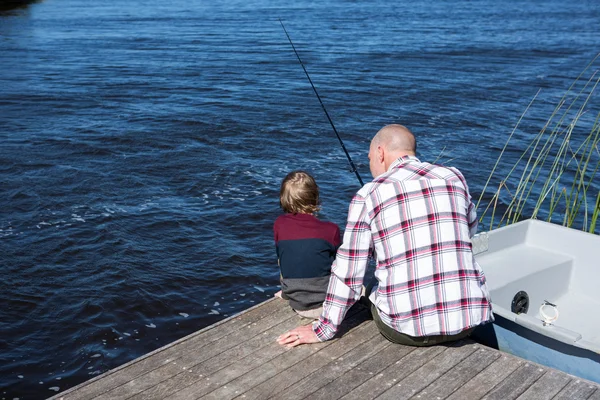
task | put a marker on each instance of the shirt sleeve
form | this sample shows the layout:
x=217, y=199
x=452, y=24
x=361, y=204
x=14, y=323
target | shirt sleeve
x=472, y=216
x=348, y=270
x=337, y=240
x=471, y=210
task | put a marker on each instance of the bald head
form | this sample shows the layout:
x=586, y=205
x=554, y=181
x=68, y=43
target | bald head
x=390, y=143
x=396, y=139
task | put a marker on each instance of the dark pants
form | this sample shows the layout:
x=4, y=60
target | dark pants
x=421, y=341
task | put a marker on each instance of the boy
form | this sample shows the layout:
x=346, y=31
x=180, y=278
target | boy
x=305, y=245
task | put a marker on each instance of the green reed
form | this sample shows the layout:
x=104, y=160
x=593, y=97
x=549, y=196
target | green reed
x=556, y=176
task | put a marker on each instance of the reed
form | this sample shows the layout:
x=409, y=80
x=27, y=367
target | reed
x=556, y=177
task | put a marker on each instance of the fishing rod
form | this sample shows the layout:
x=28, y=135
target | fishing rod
x=323, y=106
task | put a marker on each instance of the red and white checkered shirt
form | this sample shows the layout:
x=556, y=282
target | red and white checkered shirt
x=417, y=219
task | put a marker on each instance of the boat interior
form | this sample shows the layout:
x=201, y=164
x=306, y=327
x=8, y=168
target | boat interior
x=544, y=277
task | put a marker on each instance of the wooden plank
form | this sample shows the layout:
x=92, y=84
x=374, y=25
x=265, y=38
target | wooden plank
x=422, y=377
x=255, y=363
x=485, y=381
x=457, y=376
x=239, y=357
x=293, y=365
x=189, y=356
x=547, y=386
x=361, y=373
x=576, y=389
x=334, y=369
x=516, y=383
x=218, y=371
x=394, y=373
x=176, y=375
x=204, y=337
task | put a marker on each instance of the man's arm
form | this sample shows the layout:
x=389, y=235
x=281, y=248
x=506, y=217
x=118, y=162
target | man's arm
x=345, y=283
x=347, y=271
x=471, y=211
x=472, y=216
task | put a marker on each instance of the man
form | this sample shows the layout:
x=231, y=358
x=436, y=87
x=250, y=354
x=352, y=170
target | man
x=416, y=219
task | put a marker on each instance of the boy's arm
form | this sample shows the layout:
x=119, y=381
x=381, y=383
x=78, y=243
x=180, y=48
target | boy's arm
x=276, y=237
x=280, y=293
x=337, y=238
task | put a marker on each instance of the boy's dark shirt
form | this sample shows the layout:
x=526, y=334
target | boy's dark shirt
x=306, y=249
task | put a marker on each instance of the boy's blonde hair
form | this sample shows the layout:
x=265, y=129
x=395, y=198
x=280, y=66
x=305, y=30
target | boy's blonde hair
x=299, y=193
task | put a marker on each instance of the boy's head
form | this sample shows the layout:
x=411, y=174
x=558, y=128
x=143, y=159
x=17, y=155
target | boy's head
x=299, y=193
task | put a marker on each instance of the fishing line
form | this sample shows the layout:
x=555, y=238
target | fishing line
x=323, y=106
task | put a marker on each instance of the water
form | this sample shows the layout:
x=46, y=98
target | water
x=142, y=145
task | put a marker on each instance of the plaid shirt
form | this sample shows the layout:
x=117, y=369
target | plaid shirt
x=417, y=219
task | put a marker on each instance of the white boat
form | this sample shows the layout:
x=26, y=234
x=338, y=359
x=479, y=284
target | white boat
x=544, y=280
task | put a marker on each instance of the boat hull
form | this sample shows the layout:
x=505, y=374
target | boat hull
x=510, y=337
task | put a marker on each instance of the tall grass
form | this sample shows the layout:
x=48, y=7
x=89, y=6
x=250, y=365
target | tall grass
x=556, y=177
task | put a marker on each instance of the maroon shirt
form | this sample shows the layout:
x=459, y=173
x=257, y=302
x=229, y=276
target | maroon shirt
x=306, y=248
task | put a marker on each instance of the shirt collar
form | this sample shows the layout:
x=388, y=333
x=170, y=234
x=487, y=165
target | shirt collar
x=403, y=160
x=301, y=216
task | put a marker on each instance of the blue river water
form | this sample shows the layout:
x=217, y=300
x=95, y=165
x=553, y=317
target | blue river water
x=142, y=144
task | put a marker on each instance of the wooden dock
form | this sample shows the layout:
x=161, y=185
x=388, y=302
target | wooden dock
x=239, y=358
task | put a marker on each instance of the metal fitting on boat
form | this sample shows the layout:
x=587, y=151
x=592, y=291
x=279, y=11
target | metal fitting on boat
x=520, y=303
x=548, y=312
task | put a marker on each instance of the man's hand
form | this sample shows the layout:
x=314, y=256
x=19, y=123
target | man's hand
x=300, y=335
